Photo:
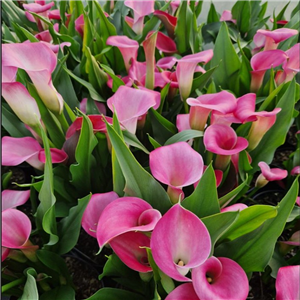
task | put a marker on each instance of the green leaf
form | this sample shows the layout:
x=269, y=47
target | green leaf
x=61, y=292
x=254, y=250
x=204, y=200
x=132, y=140
x=218, y=224
x=153, y=142
x=139, y=183
x=181, y=33
x=200, y=81
x=113, y=294
x=241, y=12
x=244, y=165
x=250, y=219
x=45, y=216
x=162, y=128
x=212, y=16
x=30, y=288
x=276, y=135
x=228, y=61
x=184, y=136
x=92, y=91
x=81, y=170
x=28, y=35
x=69, y=228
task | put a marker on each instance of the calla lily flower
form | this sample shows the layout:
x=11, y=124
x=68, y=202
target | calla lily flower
x=128, y=48
x=125, y=215
x=79, y=25
x=149, y=48
x=166, y=62
x=183, y=122
x=18, y=150
x=164, y=43
x=298, y=201
x=220, y=278
x=177, y=165
x=28, y=112
x=39, y=61
x=234, y=207
x=179, y=242
x=222, y=140
x=223, y=102
x=269, y=174
x=295, y=171
x=94, y=209
x=13, y=198
x=130, y=248
x=183, y=292
x=227, y=16
x=140, y=9
x=168, y=20
x=270, y=39
x=186, y=68
x=263, y=61
x=130, y=104
x=287, y=283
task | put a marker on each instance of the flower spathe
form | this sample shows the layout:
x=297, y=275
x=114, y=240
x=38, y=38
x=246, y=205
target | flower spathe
x=180, y=241
x=183, y=292
x=287, y=283
x=220, y=278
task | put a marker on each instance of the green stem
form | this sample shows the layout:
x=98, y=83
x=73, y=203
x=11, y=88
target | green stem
x=63, y=121
x=186, y=106
x=12, y=284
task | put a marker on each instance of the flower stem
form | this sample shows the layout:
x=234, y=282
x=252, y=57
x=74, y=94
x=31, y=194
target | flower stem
x=12, y=284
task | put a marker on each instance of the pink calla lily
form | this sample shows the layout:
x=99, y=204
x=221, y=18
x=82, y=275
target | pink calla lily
x=168, y=20
x=179, y=242
x=176, y=165
x=222, y=140
x=227, y=16
x=186, y=68
x=183, y=292
x=124, y=215
x=220, y=278
x=12, y=198
x=39, y=61
x=94, y=209
x=223, y=102
x=128, y=48
x=149, y=48
x=166, y=62
x=295, y=171
x=18, y=150
x=269, y=174
x=164, y=43
x=79, y=25
x=234, y=207
x=130, y=104
x=294, y=240
x=130, y=248
x=287, y=283
x=263, y=61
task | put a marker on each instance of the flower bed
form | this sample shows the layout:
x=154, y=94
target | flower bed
x=147, y=156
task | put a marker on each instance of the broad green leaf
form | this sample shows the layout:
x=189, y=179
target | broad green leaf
x=270, y=99
x=12, y=123
x=45, y=216
x=212, y=16
x=254, y=250
x=162, y=128
x=241, y=13
x=250, y=219
x=184, y=136
x=226, y=199
x=244, y=165
x=229, y=63
x=132, y=140
x=69, y=228
x=92, y=91
x=76, y=7
x=204, y=200
x=277, y=134
x=181, y=33
x=5, y=178
x=139, y=182
x=61, y=292
x=218, y=224
x=30, y=288
x=116, y=269
x=28, y=35
x=200, y=81
x=153, y=142
x=113, y=294
x=81, y=170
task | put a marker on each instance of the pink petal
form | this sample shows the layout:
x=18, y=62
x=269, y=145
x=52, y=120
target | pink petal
x=94, y=209
x=179, y=237
x=130, y=249
x=227, y=16
x=128, y=47
x=37, y=8
x=229, y=281
x=165, y=44
x=124, y=215
x=44, y=36
x=4, y=253
x=287, y=283
x=222, y=139
x=166, y=62
x=137, y=71
x=186, y=68
x=183, y=292
x=168, y=20
x=278, y=35
x=17, y=150
x=57, y=156
x=298, y=201
x=183, y=122
x=234, y=207
x=28, y=112
x=39, y=61
x=12, y=198
x=9, y=74
x=295, y=171
x=177, y=165
x=292, y=66
x=16, y=228
x=294, y=240
x=140, y=8
x=79, y=25
x=54, y=14
x=130, y=103
x=272, y=174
